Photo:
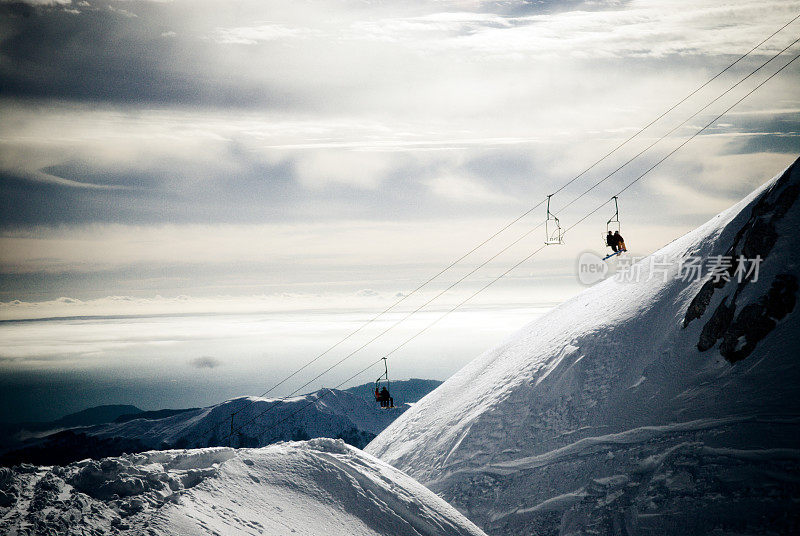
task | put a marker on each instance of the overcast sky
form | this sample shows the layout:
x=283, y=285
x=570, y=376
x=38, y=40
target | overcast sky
x=304, y=155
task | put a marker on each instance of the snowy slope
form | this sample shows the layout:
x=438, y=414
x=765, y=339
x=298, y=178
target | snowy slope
x=663, y=406
x=258, y=422
x=322, y=486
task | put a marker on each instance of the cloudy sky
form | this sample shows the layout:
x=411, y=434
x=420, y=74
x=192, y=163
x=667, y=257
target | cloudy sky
x=234, y=168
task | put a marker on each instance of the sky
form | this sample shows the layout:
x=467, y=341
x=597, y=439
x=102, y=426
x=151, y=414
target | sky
x=198, y=196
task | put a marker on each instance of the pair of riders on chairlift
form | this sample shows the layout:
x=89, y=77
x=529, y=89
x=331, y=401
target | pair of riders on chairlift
x=615, y=242
x=383, y=397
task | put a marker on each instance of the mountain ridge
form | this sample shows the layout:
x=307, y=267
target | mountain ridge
x=257, y=422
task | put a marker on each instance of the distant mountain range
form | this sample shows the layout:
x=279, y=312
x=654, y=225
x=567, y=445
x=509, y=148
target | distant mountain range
x=13, y=433
x=351, y=415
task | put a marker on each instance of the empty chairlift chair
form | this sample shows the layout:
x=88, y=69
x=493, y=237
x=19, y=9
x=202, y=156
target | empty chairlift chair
x=552, y=228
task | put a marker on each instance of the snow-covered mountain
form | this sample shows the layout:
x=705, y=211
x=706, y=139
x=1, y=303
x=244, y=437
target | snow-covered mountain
x=90, y=433
x=257, y=422
x=665, y=404
x=261, y=421
x=322, y=486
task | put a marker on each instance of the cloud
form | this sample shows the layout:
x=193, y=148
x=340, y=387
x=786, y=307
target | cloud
x=466, y=190
x=283, y=138
x=620, y=29
x=251, y=35
x=300, y=58
x=142, y=249
x=38, y=2
x=204, y=362
x=122, y=56
x=425, y=27
x=367, y=293
x=318, y=169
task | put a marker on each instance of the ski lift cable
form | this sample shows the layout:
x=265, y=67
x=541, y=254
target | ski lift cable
x=398, y=302
x=693, y=136
x=596, y=209
x=528, y=257
x=613, y=198
x=701, y=110
x=523, y=215
x=657, y=141
x=674, y=106
x=524, y=236
x=406, y=316
x=517, y=219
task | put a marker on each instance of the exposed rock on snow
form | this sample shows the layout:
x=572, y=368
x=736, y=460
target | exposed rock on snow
x=755, y=239
x=605, y=417
x=322, y=486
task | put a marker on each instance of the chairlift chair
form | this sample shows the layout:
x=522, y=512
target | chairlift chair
x=383, y=382
x=552, y=227
x=612, y=225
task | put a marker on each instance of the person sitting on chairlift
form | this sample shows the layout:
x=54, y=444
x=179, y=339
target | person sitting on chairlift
x=619, y=242
x=611, y=241
x=386, y=400
x=378, y=395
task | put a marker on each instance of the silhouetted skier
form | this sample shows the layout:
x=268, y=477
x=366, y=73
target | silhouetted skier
x=386, y=400
x=611, y=241
x=619, y=242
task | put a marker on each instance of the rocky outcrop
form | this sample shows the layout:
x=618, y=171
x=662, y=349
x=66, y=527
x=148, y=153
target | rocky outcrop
x=740, y=326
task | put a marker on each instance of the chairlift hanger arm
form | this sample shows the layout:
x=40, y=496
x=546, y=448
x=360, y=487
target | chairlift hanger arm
x=615, y=217
x=553, y=237
x=550, y=215
x=385, y=375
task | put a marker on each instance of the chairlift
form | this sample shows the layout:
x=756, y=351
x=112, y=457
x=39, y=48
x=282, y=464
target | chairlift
x=382, y=392
x=612, y=225
x=552, y=227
